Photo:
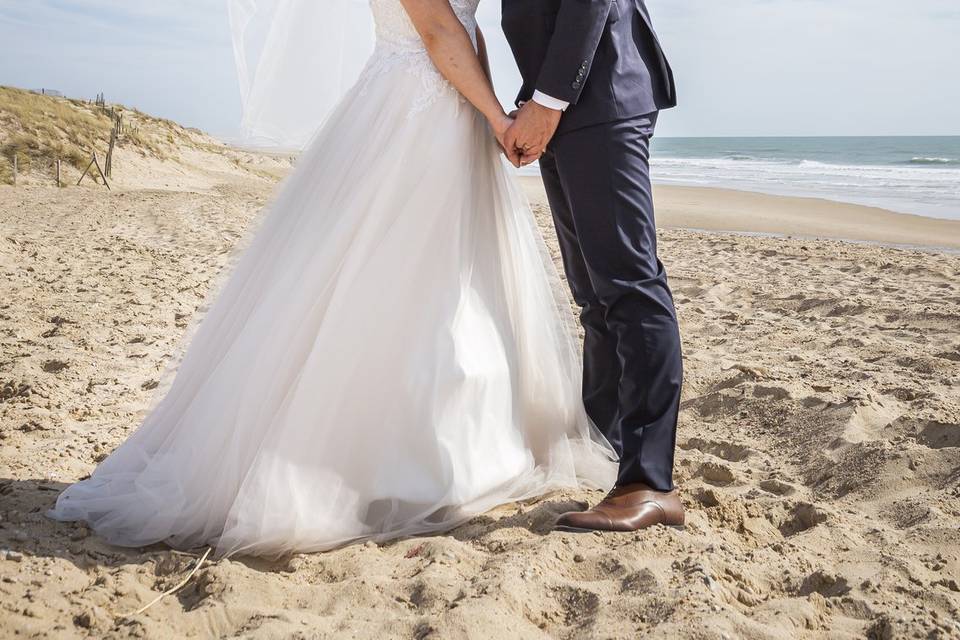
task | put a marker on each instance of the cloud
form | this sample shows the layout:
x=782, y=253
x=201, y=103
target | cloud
x=172, y=58
x=744, y=67
x=153, y=23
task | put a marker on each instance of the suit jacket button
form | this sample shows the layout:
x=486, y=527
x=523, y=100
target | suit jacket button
x=575, y=85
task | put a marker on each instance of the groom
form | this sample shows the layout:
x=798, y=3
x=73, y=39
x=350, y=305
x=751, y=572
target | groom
x=594, y=79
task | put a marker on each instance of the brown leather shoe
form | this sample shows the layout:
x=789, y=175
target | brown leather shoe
x=630, y=507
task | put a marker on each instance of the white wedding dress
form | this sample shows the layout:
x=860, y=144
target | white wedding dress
x=389, y=355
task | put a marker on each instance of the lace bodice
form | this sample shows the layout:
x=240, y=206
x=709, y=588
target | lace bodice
x=399, y=47
x=395, y=29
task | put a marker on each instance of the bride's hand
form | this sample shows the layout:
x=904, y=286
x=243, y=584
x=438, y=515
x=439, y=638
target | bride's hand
x=500, y=125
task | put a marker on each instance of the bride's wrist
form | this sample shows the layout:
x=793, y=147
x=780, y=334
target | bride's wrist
x=499, y=121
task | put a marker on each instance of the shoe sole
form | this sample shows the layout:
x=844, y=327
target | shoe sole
x=566, y=529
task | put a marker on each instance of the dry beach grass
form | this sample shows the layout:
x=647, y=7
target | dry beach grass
x=37, y=130
x=819, y=446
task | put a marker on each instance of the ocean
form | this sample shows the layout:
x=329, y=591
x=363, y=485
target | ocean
x=919, y=175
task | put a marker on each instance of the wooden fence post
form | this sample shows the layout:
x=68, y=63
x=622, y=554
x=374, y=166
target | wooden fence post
x=59, y=183
x=94, y=162
x=108, y=163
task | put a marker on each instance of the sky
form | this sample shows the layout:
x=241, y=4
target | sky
x=743, y=67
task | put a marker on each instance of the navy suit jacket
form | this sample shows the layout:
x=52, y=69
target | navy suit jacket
x=601, y=56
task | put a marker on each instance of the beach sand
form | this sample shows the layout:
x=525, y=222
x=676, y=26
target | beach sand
x=819, y=441
x=713, y=209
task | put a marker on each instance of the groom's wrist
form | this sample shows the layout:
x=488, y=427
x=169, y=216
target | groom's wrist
x=549, y=101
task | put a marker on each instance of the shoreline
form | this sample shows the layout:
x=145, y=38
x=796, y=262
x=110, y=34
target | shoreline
x=747, y=212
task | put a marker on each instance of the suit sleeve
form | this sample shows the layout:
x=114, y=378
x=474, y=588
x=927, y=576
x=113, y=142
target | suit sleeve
x=572, y=48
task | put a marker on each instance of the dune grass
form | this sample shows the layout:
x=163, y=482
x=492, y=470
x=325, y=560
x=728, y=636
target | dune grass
x=38, y=129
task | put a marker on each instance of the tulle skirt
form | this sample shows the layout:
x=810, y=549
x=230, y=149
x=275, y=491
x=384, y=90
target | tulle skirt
x=389, y=355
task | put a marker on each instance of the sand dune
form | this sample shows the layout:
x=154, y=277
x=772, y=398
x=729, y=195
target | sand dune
x=819, y=450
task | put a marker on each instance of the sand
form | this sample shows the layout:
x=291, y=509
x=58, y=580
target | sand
x=713, y=209
x=819, y=444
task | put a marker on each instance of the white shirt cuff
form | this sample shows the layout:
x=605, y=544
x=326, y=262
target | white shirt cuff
x=549, y=101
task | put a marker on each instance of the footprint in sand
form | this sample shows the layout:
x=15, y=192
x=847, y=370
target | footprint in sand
x=907, y=513
x=939, y=435
x=802, y=517
x=639, y=582
x=827, y=584
x=777, y=487
x=579, y=606
x=932, y=434
x=717, y=474
x=54, y=366
x=719, y=448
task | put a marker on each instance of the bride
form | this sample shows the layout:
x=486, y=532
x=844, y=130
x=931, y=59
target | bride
x=389, y=355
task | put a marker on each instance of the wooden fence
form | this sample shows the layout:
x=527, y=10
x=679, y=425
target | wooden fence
x=106, y=170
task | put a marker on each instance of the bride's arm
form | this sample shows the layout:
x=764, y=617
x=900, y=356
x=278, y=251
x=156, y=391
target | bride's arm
x=484, y=57
x=452, y=52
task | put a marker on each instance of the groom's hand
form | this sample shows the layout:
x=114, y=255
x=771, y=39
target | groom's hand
x=532, y=131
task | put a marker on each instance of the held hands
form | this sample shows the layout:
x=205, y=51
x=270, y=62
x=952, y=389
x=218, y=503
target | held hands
x=533, y=128
x=525, y=133
x=500, y=125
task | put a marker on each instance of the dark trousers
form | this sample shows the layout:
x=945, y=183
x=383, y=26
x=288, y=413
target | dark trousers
x=598, y=184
